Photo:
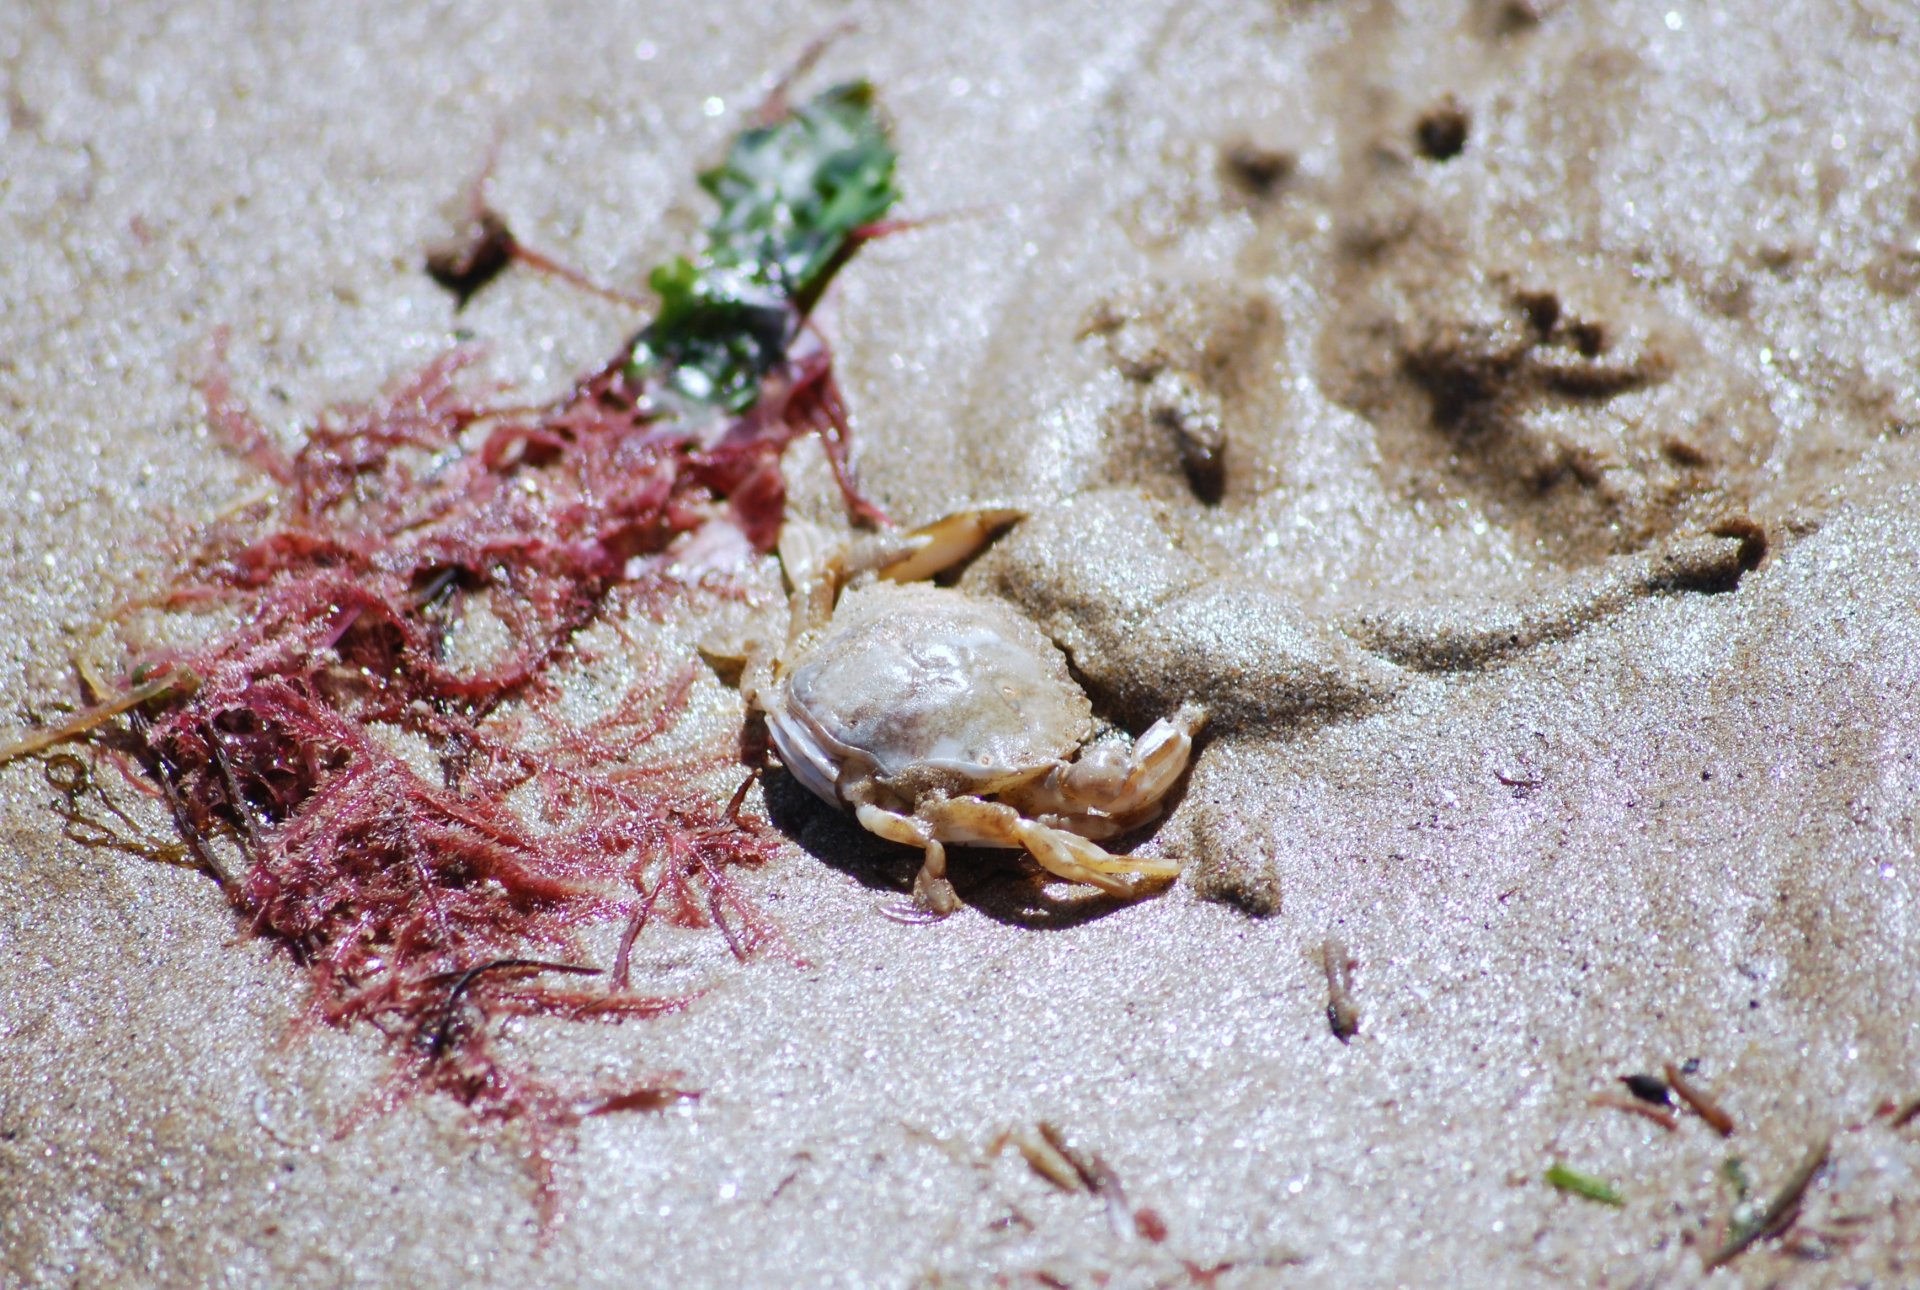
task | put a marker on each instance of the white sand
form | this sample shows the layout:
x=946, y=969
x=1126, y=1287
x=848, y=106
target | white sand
x=1709, y=849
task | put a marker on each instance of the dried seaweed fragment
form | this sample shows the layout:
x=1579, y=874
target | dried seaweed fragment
x=90, y=719
x=1070, y=1168
x=475, y=256
x=1699, y=1101
x=95, y=820
x=1780, y=1211
x=1633, y=1106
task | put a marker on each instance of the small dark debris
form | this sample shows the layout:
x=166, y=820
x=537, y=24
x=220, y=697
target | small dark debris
x=1523, y=786
x=1070, y=1168
x=1905, y=1115
x=1649, y=1088
x=1191, y=414
x=1752, y=535
x=1501, y=19
x=1442, y=133
x=1256, y=169
x=1542, y=309
x=1041, y=1156
x=644, y=1099
x=1590, y=338
x=1815, y=1247
x=21, y=115
x=1204, y=461
x=1096, y=1175
x=1517, y=16
x=1684, y=453
x=1343, y=1010
x=1462, y=385
x=472, y=259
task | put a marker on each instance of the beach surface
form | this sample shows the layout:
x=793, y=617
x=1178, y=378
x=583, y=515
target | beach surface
x=1502, y=415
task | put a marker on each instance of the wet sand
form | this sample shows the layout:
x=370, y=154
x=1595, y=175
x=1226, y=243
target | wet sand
x=1414, y=385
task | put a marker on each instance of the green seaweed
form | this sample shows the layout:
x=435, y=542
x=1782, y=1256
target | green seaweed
x=1585, y=1186
x=794, y=194
x=1734, y=1171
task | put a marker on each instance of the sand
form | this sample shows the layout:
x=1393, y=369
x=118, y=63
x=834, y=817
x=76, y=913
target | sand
x=1413, y=384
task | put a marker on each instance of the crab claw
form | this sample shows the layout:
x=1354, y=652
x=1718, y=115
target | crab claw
x=946, y=542
x=807, y=552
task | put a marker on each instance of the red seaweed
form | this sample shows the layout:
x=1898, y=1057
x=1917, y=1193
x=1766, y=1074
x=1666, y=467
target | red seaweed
x=410, y=813
x=427, y=837
x=388, y=879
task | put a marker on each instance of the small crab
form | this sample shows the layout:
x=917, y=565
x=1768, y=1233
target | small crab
x=939, y=717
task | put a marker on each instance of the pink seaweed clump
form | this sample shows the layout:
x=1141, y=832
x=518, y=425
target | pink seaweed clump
x=427, y=837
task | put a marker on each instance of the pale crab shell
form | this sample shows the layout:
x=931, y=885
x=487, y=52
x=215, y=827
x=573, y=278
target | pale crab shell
x=914, y=688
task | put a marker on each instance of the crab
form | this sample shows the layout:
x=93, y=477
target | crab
x=938, y=717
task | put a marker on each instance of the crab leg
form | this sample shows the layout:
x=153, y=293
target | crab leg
x=816, y=566
x=931, y=890
x=946, y=542
x=1159, y=759
x=1091, y=856
x=813, y=565
x=1096, y=798
x=993, y=824
x=1078, y=860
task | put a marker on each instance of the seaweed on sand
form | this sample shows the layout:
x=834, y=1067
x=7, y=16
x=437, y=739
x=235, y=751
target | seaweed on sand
x=422, y=829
